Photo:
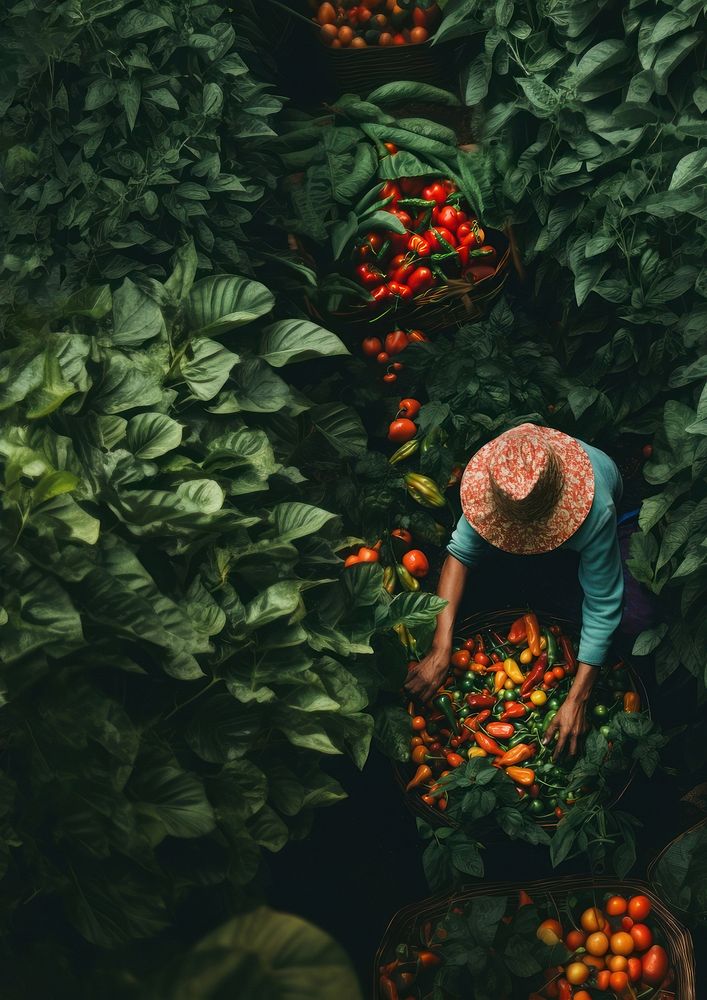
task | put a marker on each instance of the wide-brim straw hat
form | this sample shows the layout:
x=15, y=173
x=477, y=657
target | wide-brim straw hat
x=528, y=490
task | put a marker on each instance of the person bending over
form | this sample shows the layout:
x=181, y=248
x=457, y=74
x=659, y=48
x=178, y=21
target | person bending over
x=529, y=491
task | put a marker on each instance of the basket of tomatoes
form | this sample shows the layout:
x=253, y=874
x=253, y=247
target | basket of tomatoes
x=373, y=42
x=560, y=939
x=507, y=679
x=436, y=266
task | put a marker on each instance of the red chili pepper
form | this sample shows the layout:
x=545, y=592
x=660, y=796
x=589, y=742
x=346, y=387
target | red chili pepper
x=501, y=730
x=565, y=989
x=517, y=631
x=419, y=246
x=369, y=276
x=535, y=675
x=489, y=745
x=568, y=654
x=524, y=899
x=388, y=988
x=513, y=710
x=421, y=280
x=403, y=272
x=399, y=290
x=470, y=726
x=483, y=700
x=391, y=190
x=381, y=294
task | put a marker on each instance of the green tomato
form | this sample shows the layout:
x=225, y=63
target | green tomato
x=468, y=684
x=511, y=695
x=559, y=773
x=605, y=731
x=538, y=807
x=456, y=695
x=463, y=712
x=601, y=711
x=553, y=704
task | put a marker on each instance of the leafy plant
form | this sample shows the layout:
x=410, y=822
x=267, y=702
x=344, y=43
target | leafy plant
x=680, y=874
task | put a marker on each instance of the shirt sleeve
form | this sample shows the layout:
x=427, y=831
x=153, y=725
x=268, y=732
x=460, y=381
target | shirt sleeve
x=466, y=544
x=602, y=580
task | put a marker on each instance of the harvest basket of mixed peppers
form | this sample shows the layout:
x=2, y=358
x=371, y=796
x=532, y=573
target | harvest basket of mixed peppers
x=506, y=682
x=436, y=265
x=561, y=939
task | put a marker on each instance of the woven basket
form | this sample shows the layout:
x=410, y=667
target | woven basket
x=653, y=875
x=501, y=621
x=405, y=926
x=447, y=306
x=360, y=71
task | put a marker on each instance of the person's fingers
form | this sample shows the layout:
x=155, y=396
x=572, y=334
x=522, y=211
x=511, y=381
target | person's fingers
x=574, y=744
x=550, y=732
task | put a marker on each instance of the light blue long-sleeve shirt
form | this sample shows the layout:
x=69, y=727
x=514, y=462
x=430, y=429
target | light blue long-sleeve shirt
x=600, y=570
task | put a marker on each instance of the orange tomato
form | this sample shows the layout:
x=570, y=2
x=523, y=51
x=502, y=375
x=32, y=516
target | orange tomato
x=575, y=940
x=617, y=963
x=618, y=982
x=418, y=723
x=328, y=33
x=603, y=980
x=594, y=962
x=577, y=973
x=336, y=44
x=592, y=920
x=582, y=995
x=550, y=932
x=345, y=35
x=385, y=38
x=358, y=42
x=419, y=35
x=399, y=39
x=622, y=943
x=639, y=907
x=615, y=906
x=326, y=13
x=597, y=943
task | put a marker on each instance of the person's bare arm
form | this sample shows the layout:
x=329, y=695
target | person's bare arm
x=424, y=679
x=570, y=723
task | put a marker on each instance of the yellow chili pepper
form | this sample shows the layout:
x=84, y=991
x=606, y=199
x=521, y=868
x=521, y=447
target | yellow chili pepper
x=500, y=680
x=477, y=752
x=526, y=657
x=509, y=685
x=538, y=698
x=513, y=671
x=543, y=643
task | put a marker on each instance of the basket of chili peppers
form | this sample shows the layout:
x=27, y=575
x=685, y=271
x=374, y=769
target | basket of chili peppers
x=381, y=41
x=574, y=938
x=508, y=676
x=435, y=266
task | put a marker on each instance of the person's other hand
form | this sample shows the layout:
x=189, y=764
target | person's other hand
x=426, y=676
x=570, y=724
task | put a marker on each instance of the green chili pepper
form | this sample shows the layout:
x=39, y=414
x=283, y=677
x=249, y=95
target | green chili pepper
x=444, y=704
x=553, y=653
x=548, y=719
x=406, y=450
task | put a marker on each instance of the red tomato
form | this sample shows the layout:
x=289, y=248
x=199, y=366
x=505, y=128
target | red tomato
x=647, y=450
x=642, y=936
x=402, y=534
x=549, y=678
x=371, y=346
x=396, y=342
x=634, y=969
x=558, y=673
x=618, y=982
x=615, y=906
x=381, y=294
x=397, y=366
x=449, y=218
x=435, y=192
x=639, y=907
x=418, y=723
x=418, y=245
x=469, y=644
x=419, y=35
x=482, y=659
x=391, y=147
x=409, y=407
x=402, y=430
x=415, y=562
x=575, y=940
x=390, y=377
x=400, y=290
x=461, y=658
x=383, y=358
x=654, y=966
x=367, y=555
x=390, y=190
x=627, y=923
x=421, y=280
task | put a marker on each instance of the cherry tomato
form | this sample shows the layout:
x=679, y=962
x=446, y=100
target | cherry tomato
x=618, y=982
x=402, y=430
x=415, y=562
x=346, y=35
x=418, y=245
x=627, y=923
x=391, y=147
x=575, y=940
x=639, y=907
x=326, y=13
x=385, y=38
x=549, y=678
x=461, y=658
x=381, y=294
x=558, y=673
x=435, y=192
x=622, y=943
x=368, y=555
x=577, y=973
x=404, y=217
x=603, y=978
x=328, y=33
x=390, y=377
x=615, y=906
x=400, y=290
x=403, y=272
x=550, y=932
x=419, y=35
x=396, y=342
x=409, y=407
x=391, y=190
x=449, y=218
x=397, y=366
x=583, y=995
x=594, y=962
x=421, y=280
x=642, y=936
x=617, y=963
x=647, y=450
x=418, y=723
x=597, y=942
x=370, y=247
x=482, y=659
x=634, y=969
x=383, y=358
x=470, y=645
x=371, y=346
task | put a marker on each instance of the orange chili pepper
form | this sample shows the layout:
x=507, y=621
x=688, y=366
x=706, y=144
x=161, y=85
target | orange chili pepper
x=516, y=755
x=423, y=773
x=521, y=775
x=632, y=701
x=532, y=628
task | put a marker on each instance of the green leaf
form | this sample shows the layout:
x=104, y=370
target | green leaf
x=342, y=428
x=296, y=520
x=153, y=434
x=278, y=601
x=139, y=22
x=406, y=90
x=206, y=367
x=649, y=640
x=298, y=340
x=466, y=858
x=115, y=904
x=414, y=610
x=218, y=304
x=136, y=317
x=174, y=797
x=690, y=168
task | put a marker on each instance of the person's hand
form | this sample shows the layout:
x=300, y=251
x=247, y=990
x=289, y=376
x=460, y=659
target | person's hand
x=426, y=676
x=570, y=724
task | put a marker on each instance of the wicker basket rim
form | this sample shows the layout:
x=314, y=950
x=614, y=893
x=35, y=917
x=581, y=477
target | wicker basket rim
x=679, y=938
x=651, y=871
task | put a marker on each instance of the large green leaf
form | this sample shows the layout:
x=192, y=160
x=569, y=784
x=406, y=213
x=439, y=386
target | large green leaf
x=153, y=434
x=297, y=340
x=295, y=520
x=136, y=317
x=174, y=797
x=218, y=304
